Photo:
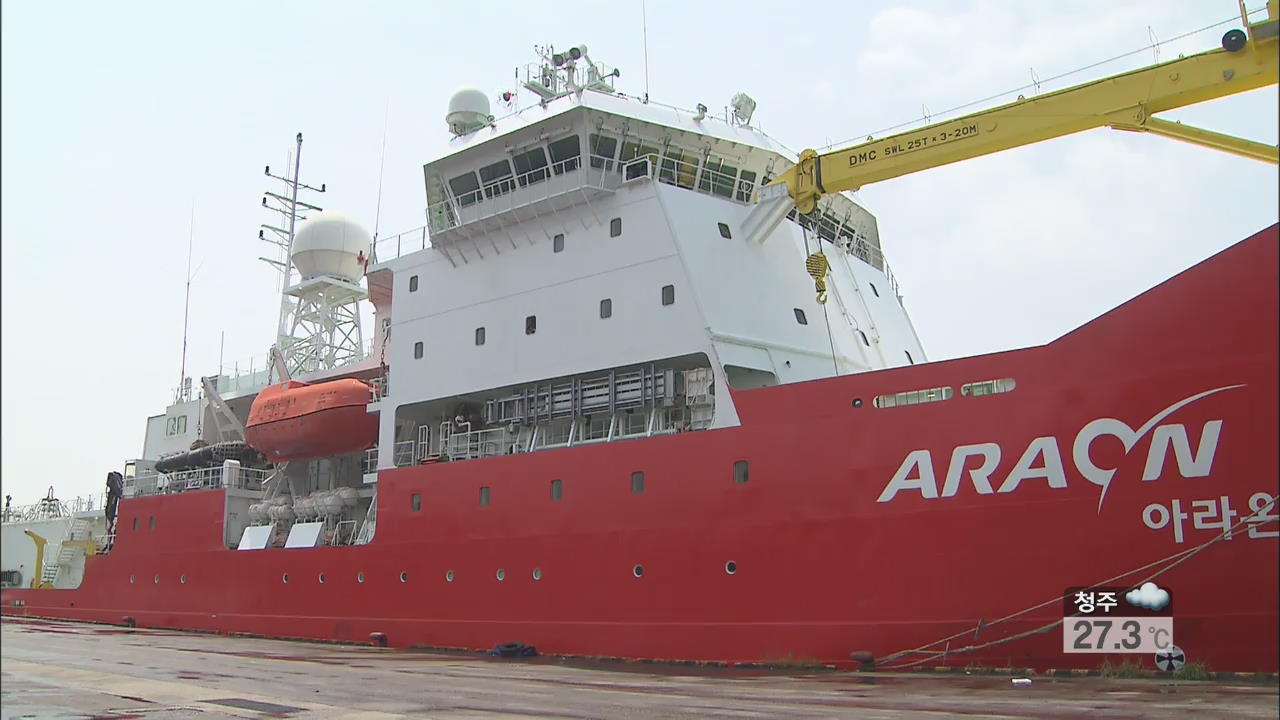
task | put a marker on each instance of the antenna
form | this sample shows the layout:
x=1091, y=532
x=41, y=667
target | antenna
x=186, y=308
x=382, y=163
x=644, y=23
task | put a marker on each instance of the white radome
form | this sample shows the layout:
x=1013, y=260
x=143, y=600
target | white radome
x=468, y=110
x=331, y=243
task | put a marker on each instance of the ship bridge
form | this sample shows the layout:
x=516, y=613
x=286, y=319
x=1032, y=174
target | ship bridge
x=593, y=240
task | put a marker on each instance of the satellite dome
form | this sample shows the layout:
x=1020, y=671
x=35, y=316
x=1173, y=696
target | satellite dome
x=468, y=111
x=331, y=243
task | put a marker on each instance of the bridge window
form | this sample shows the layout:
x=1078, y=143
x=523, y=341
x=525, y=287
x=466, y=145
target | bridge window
x=603, y=150
x=417, y=350
x=800, y=318
x=479, y=336
x=464, y=188
x=717, y=177
x=531, y=325
x=531, y=166
x=913, y=397
x=557, y=243
x=497, y=179
x=565, y=154
x=606, y=308
x=668, y=294
x=746, y=186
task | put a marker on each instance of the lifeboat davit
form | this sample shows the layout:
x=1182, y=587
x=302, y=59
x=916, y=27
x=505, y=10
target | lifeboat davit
x=296, y=420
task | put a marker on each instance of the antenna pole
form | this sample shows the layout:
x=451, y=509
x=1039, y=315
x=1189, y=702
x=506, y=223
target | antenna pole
x=186, y=304
x=293, y=213
x=644, y=23
x=382, y=164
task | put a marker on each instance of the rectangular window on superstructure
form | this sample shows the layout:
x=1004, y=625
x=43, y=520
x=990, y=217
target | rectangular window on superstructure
x=465, y=188
x=566, y=154
x=668, y=294
x=746, y=186
x=413, y=283
x=606, y=308
x=531, y=324
x=557, y=489
x=484, y=496
x=531, y=166
x=415, y=502
x=603, y=151
x=497, y=179
x=637, y=482
x=479, y=336
x=718, y=177
x=557, y=243
x=417, y=350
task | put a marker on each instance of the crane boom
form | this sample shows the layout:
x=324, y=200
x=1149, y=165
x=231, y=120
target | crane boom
x=1124, y=102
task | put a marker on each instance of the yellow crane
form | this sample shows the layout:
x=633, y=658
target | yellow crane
x=1128, y=101
x=37, y=581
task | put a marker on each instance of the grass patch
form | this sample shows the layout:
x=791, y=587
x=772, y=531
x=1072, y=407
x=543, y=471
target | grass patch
x=1193, y=671
x=1127, y=669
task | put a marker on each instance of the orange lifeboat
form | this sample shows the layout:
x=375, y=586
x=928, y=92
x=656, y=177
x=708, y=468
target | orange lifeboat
x=296, y=420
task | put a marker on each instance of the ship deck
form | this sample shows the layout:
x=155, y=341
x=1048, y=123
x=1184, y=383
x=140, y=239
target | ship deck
x=55, y=669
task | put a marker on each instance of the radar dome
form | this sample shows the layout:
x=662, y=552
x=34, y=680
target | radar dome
x=468, y=111
x=331, y=243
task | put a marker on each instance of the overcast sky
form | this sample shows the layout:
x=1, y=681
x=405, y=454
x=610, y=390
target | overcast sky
x=116, y=116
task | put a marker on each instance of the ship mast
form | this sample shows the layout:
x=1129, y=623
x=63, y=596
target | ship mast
x=288, y=205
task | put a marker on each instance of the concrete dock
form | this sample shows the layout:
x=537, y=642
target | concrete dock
x=68, y=670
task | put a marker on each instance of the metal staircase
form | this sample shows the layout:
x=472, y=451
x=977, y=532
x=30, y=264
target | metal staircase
x=78, y=529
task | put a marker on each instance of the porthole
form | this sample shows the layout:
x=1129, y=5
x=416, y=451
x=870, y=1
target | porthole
x=638, y=570
x=448, y=577
x=360, y=577
x=857, y=402
x=501, y=575
x=182, y=579
x=284, y=578
x=320, y=578
x=156, y=580
x=404, y=577
x=131, y=579
x=731, y=567
x=537, y=573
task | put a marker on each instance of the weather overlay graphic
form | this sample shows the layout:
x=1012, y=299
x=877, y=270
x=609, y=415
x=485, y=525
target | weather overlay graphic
x=1118, y=620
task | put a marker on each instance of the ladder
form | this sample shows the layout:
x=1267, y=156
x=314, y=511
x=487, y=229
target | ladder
x=78, y=529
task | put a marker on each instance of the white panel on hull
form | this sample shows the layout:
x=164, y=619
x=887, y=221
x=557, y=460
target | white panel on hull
x=304, y=535
x=255, y=537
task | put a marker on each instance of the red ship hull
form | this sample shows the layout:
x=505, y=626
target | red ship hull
x=828, y=560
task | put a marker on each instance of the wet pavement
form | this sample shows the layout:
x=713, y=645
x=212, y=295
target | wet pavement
x=69, y=670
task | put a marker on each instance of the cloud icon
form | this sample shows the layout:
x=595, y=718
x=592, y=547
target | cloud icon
x=1149, y=596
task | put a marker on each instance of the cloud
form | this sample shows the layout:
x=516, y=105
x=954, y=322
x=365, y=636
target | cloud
x=1149, y=596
